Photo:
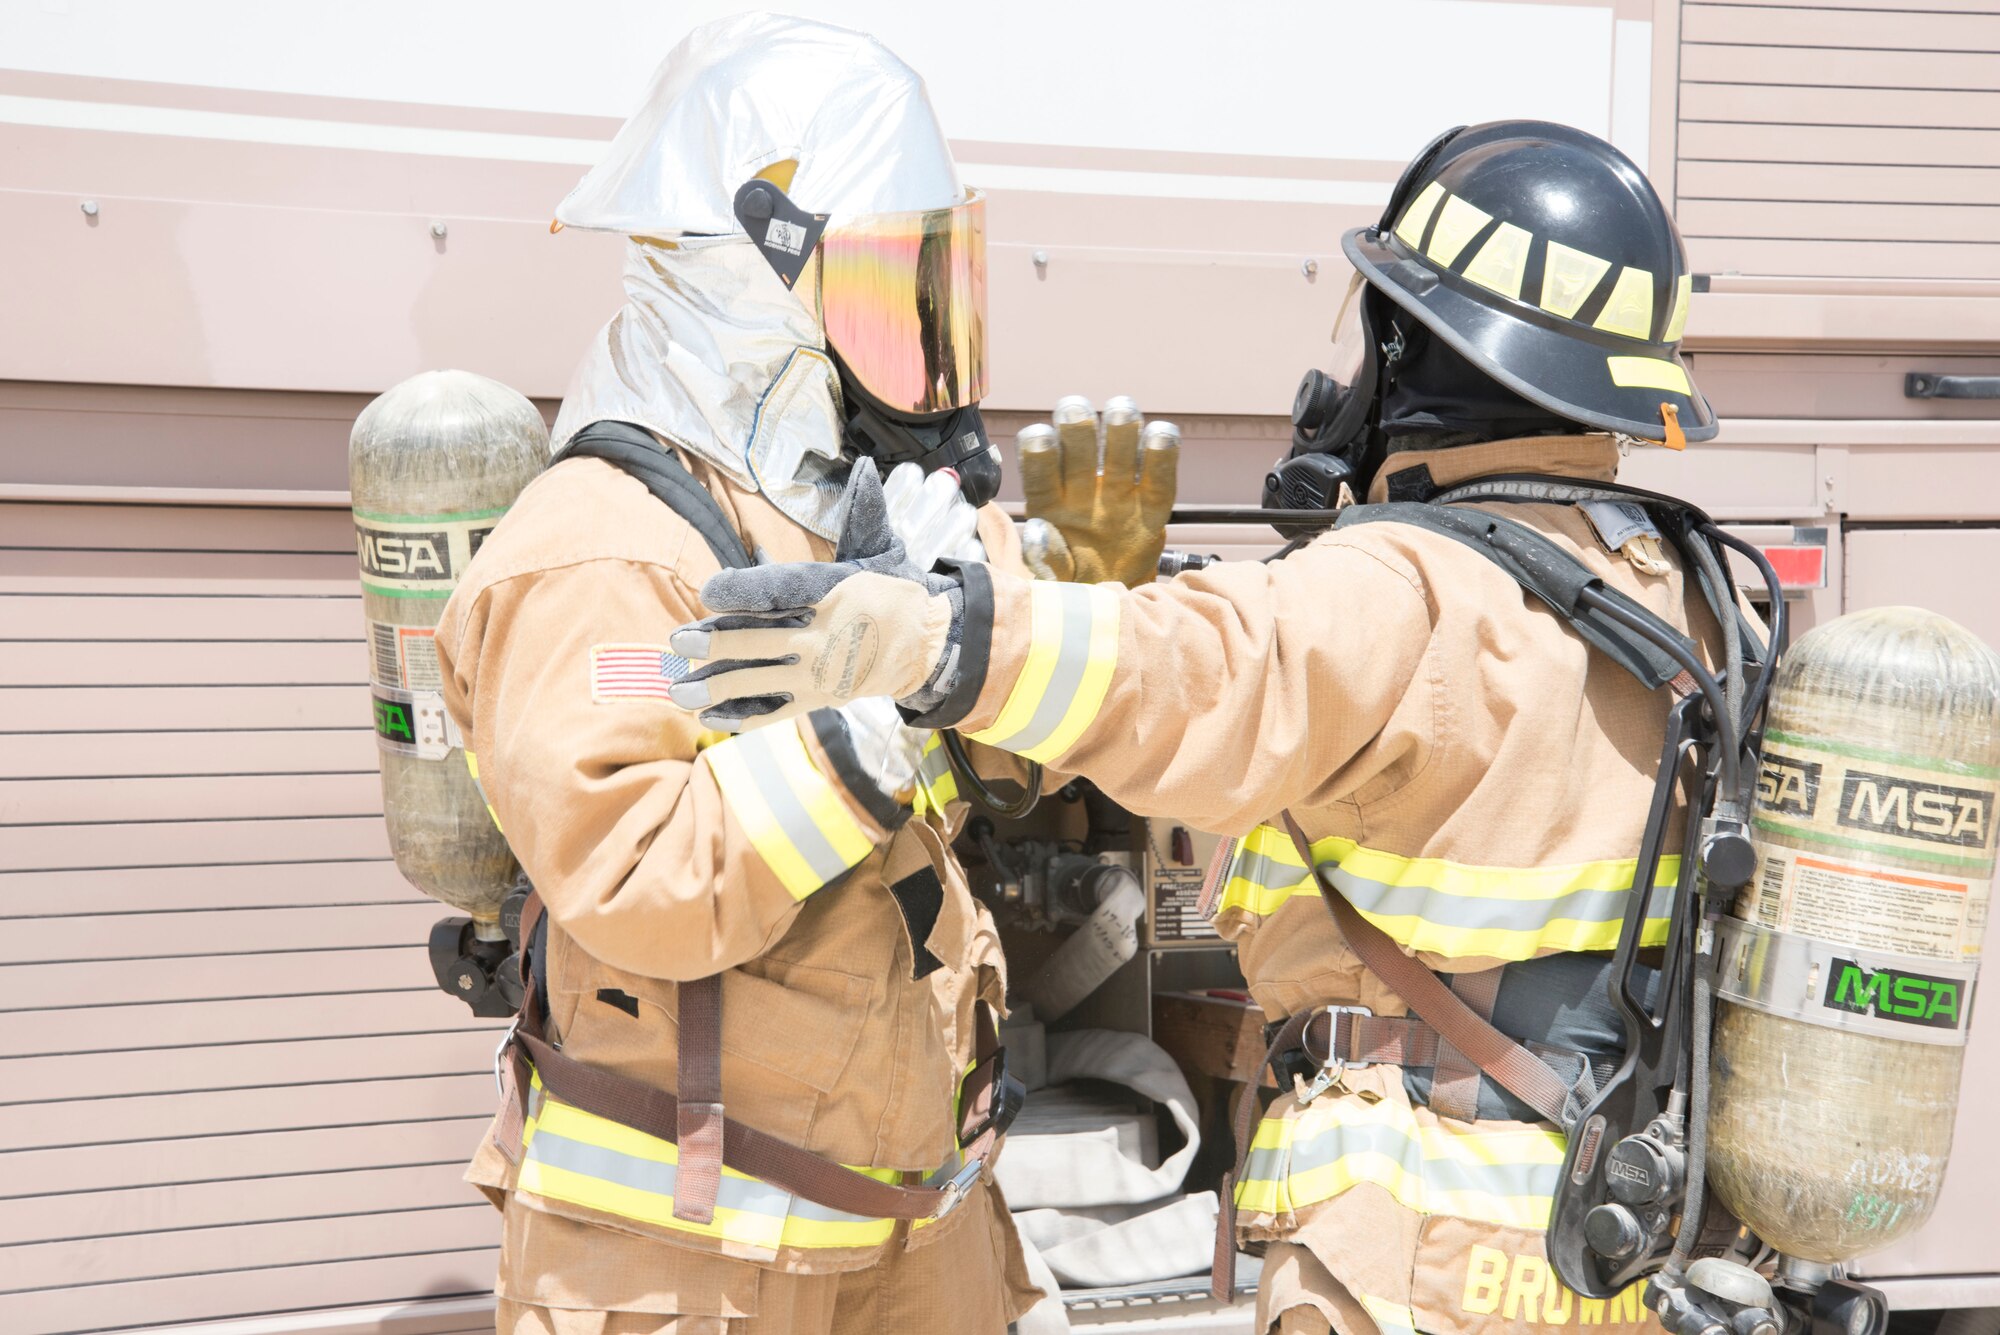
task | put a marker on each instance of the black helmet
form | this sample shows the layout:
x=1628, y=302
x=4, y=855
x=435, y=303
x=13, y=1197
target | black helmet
x=1542, y=255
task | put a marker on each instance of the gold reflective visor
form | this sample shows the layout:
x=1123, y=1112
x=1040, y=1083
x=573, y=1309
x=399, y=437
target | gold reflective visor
x=903, y=300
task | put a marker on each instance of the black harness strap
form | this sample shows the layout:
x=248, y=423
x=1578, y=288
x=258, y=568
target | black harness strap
x=1546, y=571
x=1681, y=524
x=642, y=454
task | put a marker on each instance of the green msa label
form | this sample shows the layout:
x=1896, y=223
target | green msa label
x=1893, y=994
x=393, y=722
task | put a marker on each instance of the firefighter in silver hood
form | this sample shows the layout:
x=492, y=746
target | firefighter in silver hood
x=755, y=1085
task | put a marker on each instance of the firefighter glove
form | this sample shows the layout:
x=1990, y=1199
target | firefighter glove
x=787, y=639
x=1099, y=495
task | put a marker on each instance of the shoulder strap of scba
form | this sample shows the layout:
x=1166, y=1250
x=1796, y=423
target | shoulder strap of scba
x=639, y=452
x=1627, y=632
x=1631, y=635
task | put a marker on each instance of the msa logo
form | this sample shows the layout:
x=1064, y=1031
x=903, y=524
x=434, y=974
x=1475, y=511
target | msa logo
x=392, y=722
x=1787, y=786
x=406, y=556
x=1907, y=998
x=1884, y=804
x=1630, y=1172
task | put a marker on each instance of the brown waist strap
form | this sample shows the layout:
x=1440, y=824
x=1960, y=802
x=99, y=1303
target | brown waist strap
x=1448, y=1031
x=1513, y=1067
x=707, y=1139
x=747, y=1150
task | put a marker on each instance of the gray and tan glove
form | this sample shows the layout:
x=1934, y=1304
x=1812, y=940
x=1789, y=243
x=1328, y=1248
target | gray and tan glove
x=789, y=639
x=1092, y=519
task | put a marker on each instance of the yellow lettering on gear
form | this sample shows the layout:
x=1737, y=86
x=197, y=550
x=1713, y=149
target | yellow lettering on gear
x=1626, y=1306
x=1485, y=1276
x=1524, y=1289
x=1590, y=1311
x=1556, y=1301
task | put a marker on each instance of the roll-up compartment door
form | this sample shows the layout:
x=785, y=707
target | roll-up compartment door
x=228, y=1084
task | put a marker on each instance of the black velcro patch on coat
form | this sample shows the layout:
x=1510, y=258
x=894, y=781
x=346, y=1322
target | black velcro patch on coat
x=624, y=1001
x=920, y=896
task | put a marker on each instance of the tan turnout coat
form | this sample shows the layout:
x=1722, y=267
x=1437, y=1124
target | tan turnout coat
x=1472, y=774
x=664, y=853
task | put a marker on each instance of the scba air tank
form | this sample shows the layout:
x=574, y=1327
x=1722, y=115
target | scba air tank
x=1847, y=969
x=433, y=464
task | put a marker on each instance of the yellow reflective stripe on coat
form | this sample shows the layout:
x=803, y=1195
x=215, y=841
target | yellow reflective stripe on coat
x=1072, y=649
x=796, y=818
x=570, y=1155
x=1455, y=909
x=1495, y=1177
x=936, y=784
x=1390, y=1318
x=472, y=768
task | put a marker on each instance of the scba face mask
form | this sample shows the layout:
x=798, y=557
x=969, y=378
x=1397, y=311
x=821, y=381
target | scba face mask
x=1336, y=440
x=902, y=299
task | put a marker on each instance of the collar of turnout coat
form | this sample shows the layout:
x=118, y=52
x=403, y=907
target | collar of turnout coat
x=1589, y=458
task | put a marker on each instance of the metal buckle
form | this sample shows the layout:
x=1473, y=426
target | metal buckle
x=1334, y=1066
x=954, y=1191
x=500, y=1059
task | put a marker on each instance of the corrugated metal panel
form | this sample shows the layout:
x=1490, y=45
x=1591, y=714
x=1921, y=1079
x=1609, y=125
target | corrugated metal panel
x=1840, y=139
x=227, y=1084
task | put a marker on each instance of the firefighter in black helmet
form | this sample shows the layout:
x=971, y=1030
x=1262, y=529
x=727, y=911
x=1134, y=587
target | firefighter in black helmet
x=1568, y=285
x=1525, y=279
x=1433, y=775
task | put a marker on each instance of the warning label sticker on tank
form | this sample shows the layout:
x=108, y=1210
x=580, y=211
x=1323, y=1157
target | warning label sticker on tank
x=1940, y=917
x=384, y=667
x=404, y=657
x=417, y=658
x=1932, y=814
x=418, y=556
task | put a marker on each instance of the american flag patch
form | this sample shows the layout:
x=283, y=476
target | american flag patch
x=633, y=671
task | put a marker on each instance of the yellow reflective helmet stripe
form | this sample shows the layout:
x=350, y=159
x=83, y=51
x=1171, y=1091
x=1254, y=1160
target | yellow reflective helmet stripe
x=1496, y=1177
x=1648, y=373
x=1456, y=909
x=571, y=1155
x=1502, y=261
x=1458, y=222
x=796, y=819
x=1630, y=308
x=1568, y=278
x=1683, y=296
x=1411, y=228
x=1072, y=649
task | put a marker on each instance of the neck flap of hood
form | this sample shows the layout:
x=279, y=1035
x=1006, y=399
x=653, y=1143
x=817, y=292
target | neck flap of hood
x=714, y=354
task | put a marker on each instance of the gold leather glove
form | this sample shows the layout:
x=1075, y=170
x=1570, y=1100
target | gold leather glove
x=1088, y=523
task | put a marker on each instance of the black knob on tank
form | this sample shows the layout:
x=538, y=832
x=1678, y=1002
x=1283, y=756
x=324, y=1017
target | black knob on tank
x=466, y=980
x=1612, y=1232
